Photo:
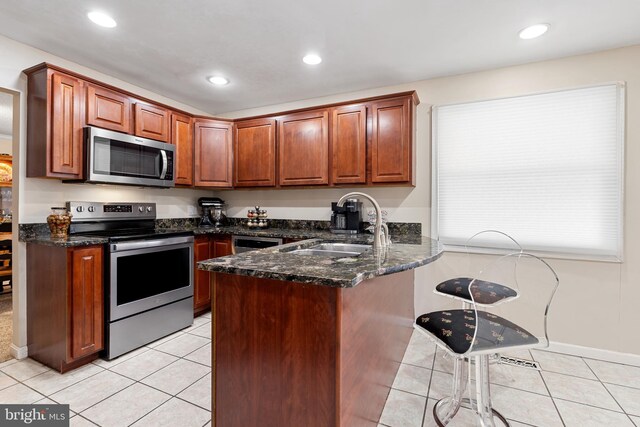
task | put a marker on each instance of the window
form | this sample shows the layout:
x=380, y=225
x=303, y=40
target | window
x=546, y=169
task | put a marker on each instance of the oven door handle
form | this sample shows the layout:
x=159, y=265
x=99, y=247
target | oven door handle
x=165, y=164
x=153, y=243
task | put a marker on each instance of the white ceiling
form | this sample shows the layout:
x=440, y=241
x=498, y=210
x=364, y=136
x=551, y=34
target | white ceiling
x=170, y=46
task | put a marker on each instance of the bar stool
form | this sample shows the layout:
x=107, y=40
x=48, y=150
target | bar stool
x=475, y=334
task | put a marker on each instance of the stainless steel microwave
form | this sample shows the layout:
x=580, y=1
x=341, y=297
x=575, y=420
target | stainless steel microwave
x=118, y=158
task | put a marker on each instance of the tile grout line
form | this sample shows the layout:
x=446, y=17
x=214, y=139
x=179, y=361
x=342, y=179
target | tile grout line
x=608, y=391
x=426, y=403
x=551, y=396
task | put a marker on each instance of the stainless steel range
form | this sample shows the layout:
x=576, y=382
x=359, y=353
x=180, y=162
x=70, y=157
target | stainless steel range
x=148, y=272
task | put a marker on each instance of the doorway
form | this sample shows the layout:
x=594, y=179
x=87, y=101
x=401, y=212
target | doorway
x=6, y=221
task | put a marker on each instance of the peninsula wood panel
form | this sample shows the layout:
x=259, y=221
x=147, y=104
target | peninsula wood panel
x=303, y=141
x=152, y=122
x=87, y=315
x=182, y=138
x=66, y=144
x=108, y=109
x=213, y=153
x=349, y=144
x=255, y=153
x=391, y=141
x=290, y=354
x=275, y=348
x=375, y=329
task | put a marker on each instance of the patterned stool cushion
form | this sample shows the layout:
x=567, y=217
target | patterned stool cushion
x=455, y=328
x=483, y=292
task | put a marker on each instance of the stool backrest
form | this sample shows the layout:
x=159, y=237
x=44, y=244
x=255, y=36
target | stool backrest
x=520, y=322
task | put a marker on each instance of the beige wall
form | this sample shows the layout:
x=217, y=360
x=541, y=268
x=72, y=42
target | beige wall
x=5, y=146
x=597, y=303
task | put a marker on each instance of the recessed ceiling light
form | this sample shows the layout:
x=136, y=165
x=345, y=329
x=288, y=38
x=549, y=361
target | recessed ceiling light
x=533, y=31
x=312, y=59
x=218, y=80
x=102, y=19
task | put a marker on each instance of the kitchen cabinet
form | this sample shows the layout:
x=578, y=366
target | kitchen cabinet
x=207, y=247
x=108, y=109
x=65, y=305
x=349, y=144
x=254, y=148
x=152, y=122
x=55, y=104
x=303, y=140
x=213, y=153
x=392, y=141
x=182, y=138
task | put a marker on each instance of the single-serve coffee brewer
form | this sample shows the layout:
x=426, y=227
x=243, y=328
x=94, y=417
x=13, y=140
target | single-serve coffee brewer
x=212, y=212
x=348, y=218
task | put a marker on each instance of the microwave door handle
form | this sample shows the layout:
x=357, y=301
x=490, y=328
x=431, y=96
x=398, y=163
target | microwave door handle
x=165, y=164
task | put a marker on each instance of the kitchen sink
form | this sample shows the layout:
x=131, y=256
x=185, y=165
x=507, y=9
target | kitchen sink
x=333, y=250
x=341, y=247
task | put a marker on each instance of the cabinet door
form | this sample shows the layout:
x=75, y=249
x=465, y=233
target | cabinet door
x=349, y=145
x=255, y=153
x=108, y=109
x=86, y=301
x=66, y=145
x=221, y=247
x=152, y=122
x=303, y=140
x=206, y=248
x=182, y=138
x=213, y=155
x=391, y=141
x=201, y=278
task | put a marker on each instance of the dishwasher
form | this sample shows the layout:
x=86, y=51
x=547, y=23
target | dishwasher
x=250, y=243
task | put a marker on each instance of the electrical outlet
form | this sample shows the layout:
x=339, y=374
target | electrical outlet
x=191, y=210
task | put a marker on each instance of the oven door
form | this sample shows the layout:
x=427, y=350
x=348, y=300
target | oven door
x=145, y=274
x=119, y=158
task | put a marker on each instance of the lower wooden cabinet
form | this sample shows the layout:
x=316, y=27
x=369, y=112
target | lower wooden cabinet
x=206, y=247
x=65, y=305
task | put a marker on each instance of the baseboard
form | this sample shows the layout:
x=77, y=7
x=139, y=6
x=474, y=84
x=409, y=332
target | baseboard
x=595, y=353
x=19, y=352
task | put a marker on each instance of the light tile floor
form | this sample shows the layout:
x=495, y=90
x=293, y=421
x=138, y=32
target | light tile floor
x=168, y=383
x=569, y=391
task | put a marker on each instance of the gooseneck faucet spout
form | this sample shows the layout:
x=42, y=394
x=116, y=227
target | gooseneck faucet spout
x=378, y=241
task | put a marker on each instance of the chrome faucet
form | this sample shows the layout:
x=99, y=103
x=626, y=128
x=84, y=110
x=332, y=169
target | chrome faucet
x=379, y=242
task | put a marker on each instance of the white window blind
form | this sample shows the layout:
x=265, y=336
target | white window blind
x=546, y=169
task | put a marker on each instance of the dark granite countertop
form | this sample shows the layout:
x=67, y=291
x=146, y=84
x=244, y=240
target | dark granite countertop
x=279, y=263
x=39, y=233
x=66, y=243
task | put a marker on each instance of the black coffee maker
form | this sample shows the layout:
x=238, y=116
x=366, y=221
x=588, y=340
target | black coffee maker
x=348, y=218
x=212, y=212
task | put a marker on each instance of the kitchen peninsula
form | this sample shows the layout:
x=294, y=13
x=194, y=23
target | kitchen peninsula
x=311, y=340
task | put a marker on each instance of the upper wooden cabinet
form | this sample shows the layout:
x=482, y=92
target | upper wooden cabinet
x=392, y=158
x=182, y=138
x=254, y=148
x=303, y=140
x=108, y=109
x=152, y=122
x=213, y=153
x=349, y=144
x=54, y=125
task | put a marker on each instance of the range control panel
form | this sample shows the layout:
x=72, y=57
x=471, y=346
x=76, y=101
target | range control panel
x=94, y=211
